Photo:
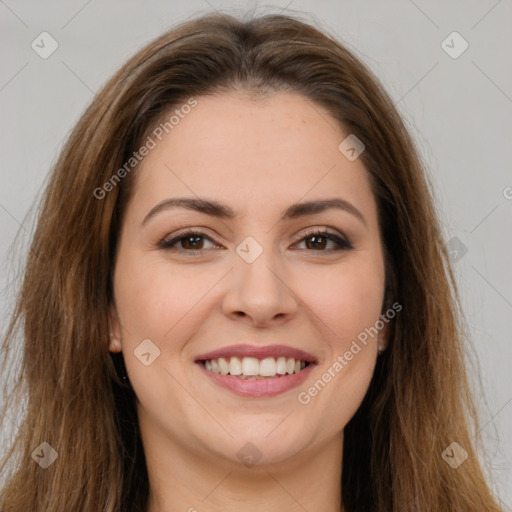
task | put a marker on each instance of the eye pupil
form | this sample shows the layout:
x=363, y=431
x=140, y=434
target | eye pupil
x=195, y=238
x=316, y=244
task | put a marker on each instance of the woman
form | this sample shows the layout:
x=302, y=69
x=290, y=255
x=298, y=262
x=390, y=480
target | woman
x=237, y=295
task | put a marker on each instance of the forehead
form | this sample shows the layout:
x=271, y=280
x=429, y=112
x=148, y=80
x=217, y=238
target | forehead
x=252, y=154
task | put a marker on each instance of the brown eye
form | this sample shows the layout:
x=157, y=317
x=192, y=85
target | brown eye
x=318, y=241
x=191, y=241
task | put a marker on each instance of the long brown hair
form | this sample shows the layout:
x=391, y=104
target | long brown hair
x=419, y=400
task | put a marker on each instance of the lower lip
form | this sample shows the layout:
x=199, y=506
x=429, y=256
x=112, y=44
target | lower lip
x=258, y=387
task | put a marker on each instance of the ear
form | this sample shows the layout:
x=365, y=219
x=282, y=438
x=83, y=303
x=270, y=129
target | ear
x=114, y=330
x=383, y=337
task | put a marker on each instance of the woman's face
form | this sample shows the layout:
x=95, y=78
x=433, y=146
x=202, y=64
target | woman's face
x=255, y=276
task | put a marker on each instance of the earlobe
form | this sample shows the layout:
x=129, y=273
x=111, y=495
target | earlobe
x=114, y=344
x=382, y=340
x=115, y=331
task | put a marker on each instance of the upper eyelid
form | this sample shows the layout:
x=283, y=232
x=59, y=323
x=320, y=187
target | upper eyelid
x=186, y=233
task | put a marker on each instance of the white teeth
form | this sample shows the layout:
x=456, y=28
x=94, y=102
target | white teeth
x=268, y=367
x=251, y=367
x=223, y=365
x=281, y=365
x=235, y=366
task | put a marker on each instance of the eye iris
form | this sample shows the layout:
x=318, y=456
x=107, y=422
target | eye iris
x=316, y=244
x=185, y=242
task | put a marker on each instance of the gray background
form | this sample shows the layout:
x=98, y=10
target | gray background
x=458, y=110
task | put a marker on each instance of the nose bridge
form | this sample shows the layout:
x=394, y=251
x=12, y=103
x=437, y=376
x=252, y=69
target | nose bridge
x=258, y=288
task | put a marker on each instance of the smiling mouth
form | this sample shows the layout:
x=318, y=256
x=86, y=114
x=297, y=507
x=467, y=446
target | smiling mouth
x=252, y=368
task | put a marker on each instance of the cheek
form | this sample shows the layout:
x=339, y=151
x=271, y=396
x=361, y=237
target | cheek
x=153, y=304
x=346, y=301
x=152, y=297
x=165, y=304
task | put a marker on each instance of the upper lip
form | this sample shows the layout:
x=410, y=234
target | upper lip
x=258, y=352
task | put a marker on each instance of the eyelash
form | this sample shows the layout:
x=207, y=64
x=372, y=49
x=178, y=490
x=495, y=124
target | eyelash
x=343, y=244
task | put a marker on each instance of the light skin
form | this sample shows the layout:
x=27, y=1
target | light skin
x=257, y=157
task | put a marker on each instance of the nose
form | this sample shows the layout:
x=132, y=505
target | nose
x=260, y=293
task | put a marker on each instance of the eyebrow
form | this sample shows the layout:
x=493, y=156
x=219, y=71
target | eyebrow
x=221, y=211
